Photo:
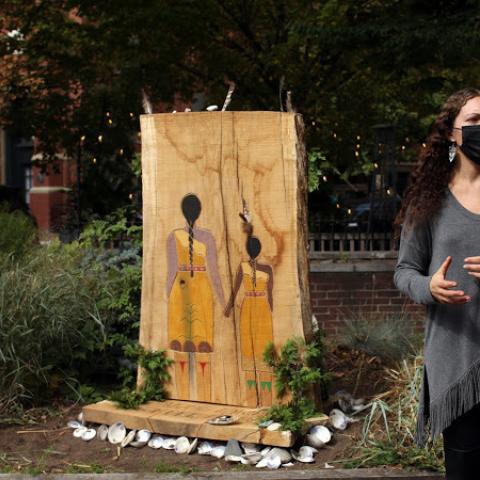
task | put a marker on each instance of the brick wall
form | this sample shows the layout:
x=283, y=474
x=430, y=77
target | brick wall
x=336, y=295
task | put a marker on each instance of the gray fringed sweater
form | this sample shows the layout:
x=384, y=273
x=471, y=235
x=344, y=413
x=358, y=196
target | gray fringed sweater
x=451, y=370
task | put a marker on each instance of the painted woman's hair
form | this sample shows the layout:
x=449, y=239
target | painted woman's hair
x=191, y=208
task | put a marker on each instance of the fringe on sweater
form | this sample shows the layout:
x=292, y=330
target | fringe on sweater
x=443, y=410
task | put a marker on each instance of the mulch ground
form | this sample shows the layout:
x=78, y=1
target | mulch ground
x=48, y=446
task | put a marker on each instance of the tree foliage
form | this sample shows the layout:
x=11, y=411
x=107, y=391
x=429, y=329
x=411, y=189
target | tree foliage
x=349, y=65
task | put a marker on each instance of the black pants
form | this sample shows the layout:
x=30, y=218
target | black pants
x=461, y=444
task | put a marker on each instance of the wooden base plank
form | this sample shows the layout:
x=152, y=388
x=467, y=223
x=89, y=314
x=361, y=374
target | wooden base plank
x=179, y=417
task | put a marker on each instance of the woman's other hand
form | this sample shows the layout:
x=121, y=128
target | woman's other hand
x=440, y=288
x=472, y=265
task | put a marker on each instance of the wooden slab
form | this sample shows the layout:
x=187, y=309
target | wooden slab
x=206, y=298
x=176, y=418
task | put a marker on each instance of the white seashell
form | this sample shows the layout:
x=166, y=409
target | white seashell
x=169, y=443
x=89, y=434
x=188, y=109
x=250, y=447
x=306, y=449
x=143, y=436
x=193, y=446
x=129, y=438
x=289, y=464
x=116, y=433
x=138, y=443
x=78, y=432
x=74, y=424
x=274, y=462
x=156, y=442
x=102, y=432
x=338, y=419
x=262, y=463
x=81, y=418
x=319, y=436
x=205, y=448
x=218, y=452
x=274, y=426
x=265, y=451
x=233, y=458
x=265, y=423
x=358, y=408
x=211, y=108
x=251, y=458
x=284, y=454
x=327, y=465
x=305, y=454
x=182, y=445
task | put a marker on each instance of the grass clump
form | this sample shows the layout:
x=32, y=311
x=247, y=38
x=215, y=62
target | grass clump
x=389, y=428
x=50, y=326
x=389, y=337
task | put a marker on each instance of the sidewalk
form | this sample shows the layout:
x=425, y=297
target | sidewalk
x=327, y=474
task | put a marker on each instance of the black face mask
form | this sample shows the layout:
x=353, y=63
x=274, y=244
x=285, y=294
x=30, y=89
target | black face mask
x=471, y=142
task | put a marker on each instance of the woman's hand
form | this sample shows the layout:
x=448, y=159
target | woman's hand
x=440, y=288
x=472, y=264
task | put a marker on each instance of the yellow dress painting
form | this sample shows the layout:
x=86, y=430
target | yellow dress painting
x=256, y=328
x=190, y=304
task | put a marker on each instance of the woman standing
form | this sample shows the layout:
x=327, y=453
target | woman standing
x=256, y=327
x=192, y=270
x=439, y=266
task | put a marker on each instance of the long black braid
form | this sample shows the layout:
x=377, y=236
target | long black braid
x=190, y=246
x=191, y=208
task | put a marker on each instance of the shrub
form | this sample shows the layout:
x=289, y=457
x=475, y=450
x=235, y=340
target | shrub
x=51, y=330
x=18, y=233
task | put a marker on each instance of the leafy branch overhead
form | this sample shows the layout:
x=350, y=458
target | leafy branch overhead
x=348, y=64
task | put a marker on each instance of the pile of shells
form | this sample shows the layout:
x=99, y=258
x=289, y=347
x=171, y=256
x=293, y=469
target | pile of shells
x=233, y=451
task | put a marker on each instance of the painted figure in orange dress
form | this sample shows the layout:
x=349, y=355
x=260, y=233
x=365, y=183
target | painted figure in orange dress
x=256, y=327
x=192, y=278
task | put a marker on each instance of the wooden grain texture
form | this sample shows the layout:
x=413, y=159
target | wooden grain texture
x=223, y=158
x=180, y=417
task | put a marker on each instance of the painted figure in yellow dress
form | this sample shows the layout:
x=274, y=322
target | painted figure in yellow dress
x=192, y=272
x=256, y=327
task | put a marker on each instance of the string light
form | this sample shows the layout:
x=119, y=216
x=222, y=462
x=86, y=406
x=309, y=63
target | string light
x=358, y=145
x=358, y=137
x=349, y=211
x=100, y=138
x=403, y=147
x=338, y=205
x=130, y=196
x=131, y=115
x=357, y=153
x=334, y=135
x=324, y=178
x=120, y=151
x=110, y=121
x=424, y=145
x=375, y=165
x=94, y=160
x=82, y=138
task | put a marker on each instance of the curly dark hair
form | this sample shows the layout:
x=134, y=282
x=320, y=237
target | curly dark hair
x=428, y=181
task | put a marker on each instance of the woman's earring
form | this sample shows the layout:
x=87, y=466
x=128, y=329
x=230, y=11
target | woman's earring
x=452, y=150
